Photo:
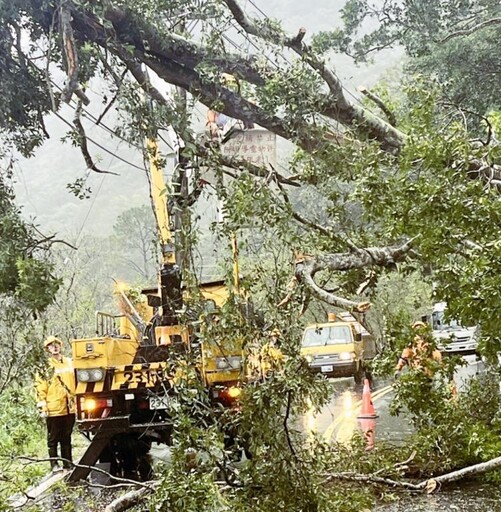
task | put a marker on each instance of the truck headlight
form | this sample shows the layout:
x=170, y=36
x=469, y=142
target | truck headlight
x=346, y=356
x=90, y=375
x=234, y=392
x=91, y=404
x=229, y=363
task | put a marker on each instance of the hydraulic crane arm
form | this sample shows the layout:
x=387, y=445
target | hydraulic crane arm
x=159, y=200
x=171, y=299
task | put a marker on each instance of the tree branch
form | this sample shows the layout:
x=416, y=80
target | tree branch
x=207, y=92
x=232, y=104
x=379, y=102
x=128, y=500
x=469, y=31
x=82, y=142
x=190, y=53
x=340, y=109
x=71, y=56
x=429, y=485
x=357, y=477
x=286, y=426
x=307, y=266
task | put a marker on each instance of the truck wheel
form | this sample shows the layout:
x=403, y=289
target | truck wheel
x=359, y=374
x=130, y=457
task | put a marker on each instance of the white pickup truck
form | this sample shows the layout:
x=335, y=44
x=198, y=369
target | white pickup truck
x=451, y=337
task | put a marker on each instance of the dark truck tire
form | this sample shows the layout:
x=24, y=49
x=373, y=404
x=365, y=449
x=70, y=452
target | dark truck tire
x=129, y=457
x=359, y=374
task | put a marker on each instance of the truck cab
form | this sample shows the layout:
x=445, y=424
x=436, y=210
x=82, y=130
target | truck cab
x=450, y=335
x=335, y=348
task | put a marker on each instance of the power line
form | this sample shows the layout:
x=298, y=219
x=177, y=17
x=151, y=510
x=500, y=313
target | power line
x=99, y=145
x=95, y=197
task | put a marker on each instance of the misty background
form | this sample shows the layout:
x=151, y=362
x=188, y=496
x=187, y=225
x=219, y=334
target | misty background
x=41, y=181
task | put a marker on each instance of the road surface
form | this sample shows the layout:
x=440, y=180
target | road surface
x=338, y=420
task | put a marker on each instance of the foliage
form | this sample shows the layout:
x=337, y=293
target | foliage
x=452, y=432
x=21, y=350
x=279, y=472
x=35, y=273
x=28, y=285
x=454, y=42
x=190, y=491
x=25, y=272
x=21, y=435
x=427, y=189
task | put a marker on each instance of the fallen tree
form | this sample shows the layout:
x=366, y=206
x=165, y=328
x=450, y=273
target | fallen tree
x=132, y=498
x=429, y=485
x=359, y=197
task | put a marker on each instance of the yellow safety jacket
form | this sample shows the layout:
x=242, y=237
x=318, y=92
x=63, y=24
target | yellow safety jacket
x=420, y=356
x=55, y=394
x=263, y=361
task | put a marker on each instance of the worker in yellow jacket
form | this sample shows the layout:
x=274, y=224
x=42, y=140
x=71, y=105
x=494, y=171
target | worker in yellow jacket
x=55, y=395
x=264, y=360
x=419, y=354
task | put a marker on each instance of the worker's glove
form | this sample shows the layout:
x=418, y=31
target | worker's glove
x=396, y=375
x=43, y=414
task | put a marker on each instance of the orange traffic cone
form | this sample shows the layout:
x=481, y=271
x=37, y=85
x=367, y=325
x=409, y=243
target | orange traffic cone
x=368, y=427
x=367, y=410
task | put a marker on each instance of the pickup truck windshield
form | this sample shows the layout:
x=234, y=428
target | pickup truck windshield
x=320, y=336
x=439, y=323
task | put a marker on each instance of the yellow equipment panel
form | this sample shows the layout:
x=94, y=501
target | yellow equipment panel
x=103, y=352
x=130, y=377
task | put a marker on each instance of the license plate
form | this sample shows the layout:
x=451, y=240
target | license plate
x=159, y=402
x=326, y=368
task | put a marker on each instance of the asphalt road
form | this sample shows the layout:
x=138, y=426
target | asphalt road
x=338, y=420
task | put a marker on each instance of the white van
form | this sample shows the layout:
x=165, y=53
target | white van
x=451, y=336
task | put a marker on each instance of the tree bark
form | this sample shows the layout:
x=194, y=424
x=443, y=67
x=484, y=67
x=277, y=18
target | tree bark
x=128, y=500
x=308, y=266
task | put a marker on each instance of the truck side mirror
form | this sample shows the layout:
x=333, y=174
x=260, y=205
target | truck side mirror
x=358, y=336
x=154, y=301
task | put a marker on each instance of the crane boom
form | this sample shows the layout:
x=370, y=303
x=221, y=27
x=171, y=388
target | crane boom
x=158, y=197
x=171, y=300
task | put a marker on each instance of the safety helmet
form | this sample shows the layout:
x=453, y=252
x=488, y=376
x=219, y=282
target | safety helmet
x=51, y=339
x=419, y=325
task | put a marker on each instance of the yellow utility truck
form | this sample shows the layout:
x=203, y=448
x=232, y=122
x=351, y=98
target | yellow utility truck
x=126, y=374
